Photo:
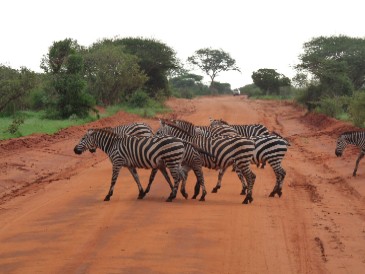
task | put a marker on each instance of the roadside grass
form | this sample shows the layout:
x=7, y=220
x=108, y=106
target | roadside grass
x=34, y=122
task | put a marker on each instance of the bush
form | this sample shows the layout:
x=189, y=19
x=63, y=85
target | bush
x=139, y=99
x=357, y=108
x=330, y=107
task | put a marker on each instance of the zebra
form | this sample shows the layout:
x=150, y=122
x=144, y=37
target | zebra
x=269, y=148
x=227, y=151
x=133, y=129
x=356, y=138
x=248, y=131
x=136, y=152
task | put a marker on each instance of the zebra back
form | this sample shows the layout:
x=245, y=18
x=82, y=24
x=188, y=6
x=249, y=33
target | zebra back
x=134, y=129
x=248, y=131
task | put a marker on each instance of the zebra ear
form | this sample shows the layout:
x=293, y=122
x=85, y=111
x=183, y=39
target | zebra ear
x=162, y=122
x=90, y=130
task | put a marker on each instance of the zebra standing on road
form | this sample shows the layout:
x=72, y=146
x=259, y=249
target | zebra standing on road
x=136, y=152
x=226, y=151
x=269, y=148
x=356, y=138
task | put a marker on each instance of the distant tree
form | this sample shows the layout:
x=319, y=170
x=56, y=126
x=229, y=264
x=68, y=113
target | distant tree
x=270, y=81
x=300, y=80
x=112, y=74
x=221, y=88
x=155, y=59
x=67, y=96
x=15, y=85
x=338, y=62
x=212, y=62
x=187, y=85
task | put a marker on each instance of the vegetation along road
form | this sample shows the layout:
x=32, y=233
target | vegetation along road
x=54, y=219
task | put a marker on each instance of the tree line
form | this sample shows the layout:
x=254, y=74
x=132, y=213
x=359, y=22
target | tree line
x=109, y=72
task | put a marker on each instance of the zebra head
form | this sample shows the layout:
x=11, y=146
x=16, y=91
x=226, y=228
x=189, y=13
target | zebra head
x=86, y=142
x=215, y=122
x=341, y=145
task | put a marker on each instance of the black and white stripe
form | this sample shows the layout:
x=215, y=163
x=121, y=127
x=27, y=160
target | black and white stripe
x=356, y=138
x=251, y=130
x=226, y=151
x=133, y=129
x=136, y=152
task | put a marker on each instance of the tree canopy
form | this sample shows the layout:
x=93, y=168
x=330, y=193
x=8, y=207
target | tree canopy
x=212, y=62
x=338, y=62
x=269, y=80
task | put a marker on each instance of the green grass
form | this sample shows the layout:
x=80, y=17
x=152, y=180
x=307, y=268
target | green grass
x=35, y=123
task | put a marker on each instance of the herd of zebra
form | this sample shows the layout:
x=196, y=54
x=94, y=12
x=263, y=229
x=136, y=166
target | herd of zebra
x=181, y=146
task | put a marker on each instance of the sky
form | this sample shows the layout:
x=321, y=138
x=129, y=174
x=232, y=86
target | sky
x=257, y=33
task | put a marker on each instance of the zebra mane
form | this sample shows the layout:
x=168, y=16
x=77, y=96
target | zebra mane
x=105, y=131
x=182, y=121
x=221, y=121
x=170, y=124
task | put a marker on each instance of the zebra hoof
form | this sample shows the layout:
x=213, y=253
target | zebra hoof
x=194, y=197
x=247, y=200
x=215, y=190
x=106, y=199
x=272, y=194
x=202, y=199
x=279, y=193
x=243, y=192
x=185, y=195
x=354, y=174
x=169, y=200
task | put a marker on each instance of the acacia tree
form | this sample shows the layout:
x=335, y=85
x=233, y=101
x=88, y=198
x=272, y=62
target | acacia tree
x=212, y=62
x=269, y=80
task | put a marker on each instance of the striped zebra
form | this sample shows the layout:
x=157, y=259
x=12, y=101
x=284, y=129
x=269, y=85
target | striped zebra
x=227, y=151
x=356, y=138
x=132, y=129
x=269, y=148
x=136, y=152
x=248, y=131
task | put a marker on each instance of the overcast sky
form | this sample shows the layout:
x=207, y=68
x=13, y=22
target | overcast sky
x=257, y=34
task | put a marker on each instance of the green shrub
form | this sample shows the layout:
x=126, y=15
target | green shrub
x=357, y=108
x=139, y=99
x=330, y=107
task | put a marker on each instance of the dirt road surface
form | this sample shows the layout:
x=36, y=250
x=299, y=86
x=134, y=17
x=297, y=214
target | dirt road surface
x=53, y=218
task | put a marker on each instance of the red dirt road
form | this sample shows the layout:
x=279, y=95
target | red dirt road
x=53, y=218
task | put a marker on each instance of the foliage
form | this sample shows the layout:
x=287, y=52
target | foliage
x=112, y=74
x=338, y=62
x=139, y=99
x=14, y=126
x=300, y=80
x=357, y=108
x=188, y=85
x=212, y=62
x=155, y=59
x=270, y=81
x=67, y=87
x=251, y=90
x=14, y=86
x=221, y=88
x=330, y=106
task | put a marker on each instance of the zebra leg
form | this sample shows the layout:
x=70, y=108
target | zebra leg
x=178, y=175
x=134, y=173
x=196, y=190
x=186, y=170
x=115, y=174
x=200, y=182
x=357, y=162
x=280, y=175
x=244, y=185
x=219, y=183
x=152, y=177
x=250, y=178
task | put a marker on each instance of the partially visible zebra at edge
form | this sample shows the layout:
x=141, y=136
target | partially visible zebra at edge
x=356, y=138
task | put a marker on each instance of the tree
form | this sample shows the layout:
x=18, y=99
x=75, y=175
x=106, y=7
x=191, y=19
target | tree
x=14, y=85
x=155, y=59
x=270, y=81
x=212, y=62
x=64, y=64
x=111, y=73
x=337, y=62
